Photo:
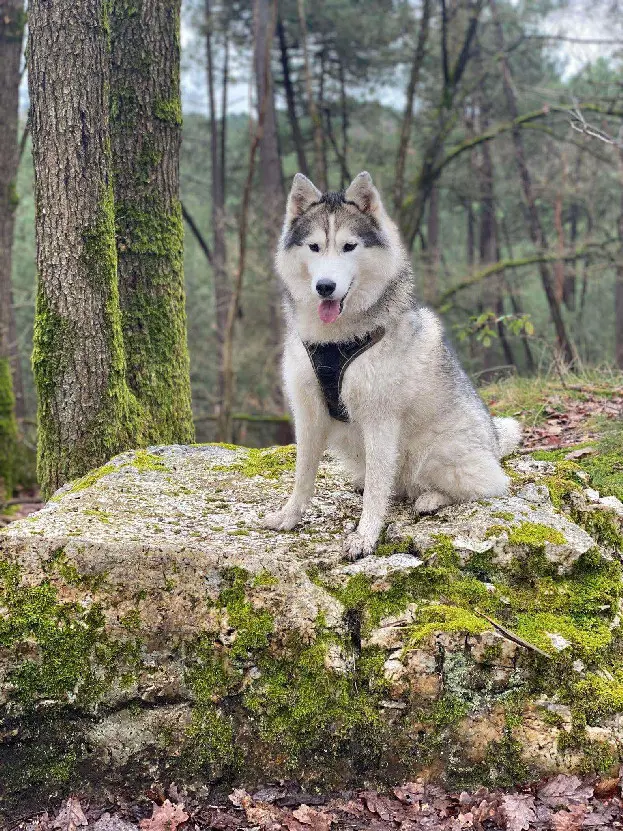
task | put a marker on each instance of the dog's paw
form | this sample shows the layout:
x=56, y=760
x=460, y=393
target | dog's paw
x=356, y=546
x=284, y=520
x=430, y=501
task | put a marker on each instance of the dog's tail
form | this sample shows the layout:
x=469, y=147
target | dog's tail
x=508, y=432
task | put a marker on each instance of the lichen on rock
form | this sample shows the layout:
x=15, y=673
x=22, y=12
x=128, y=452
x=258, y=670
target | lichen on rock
x=152, y=623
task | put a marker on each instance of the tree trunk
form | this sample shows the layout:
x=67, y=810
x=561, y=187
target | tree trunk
x=288, y=87
x=145, y=123
x=16, y=365
x=86, y=410
x=271, y=176
x=12, y=20
x=320, y=171
x=537, y=234
x=489, y=242
x=618, y=290
x=407, y=120
x=431, y=270
x=217, y=161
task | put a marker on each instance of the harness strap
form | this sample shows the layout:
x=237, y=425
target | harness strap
x=330, y=361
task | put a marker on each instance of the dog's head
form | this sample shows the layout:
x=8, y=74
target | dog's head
x=337, y=251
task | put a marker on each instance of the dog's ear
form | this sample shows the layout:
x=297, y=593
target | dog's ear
x=362, y=192
x=302, y=194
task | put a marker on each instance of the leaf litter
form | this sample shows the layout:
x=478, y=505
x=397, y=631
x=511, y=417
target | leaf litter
x=562, y=803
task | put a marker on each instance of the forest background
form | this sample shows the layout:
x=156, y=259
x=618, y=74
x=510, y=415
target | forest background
x=492, y=129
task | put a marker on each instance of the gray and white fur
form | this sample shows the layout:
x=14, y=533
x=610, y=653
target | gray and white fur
x=417, y=428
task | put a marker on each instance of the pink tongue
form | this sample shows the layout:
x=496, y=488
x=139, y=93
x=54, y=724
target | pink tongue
x=329, y=310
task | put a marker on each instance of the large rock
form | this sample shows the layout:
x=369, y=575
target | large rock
x=150, y=627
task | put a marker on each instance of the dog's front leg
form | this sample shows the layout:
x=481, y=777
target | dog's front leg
x=312, y=429
x=381, y=459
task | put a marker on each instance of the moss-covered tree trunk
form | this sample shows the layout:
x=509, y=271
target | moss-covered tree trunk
x=86, y=411
x=12, y=19
x=146, y=123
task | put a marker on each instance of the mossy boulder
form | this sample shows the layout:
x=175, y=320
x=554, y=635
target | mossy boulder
x=151, y=628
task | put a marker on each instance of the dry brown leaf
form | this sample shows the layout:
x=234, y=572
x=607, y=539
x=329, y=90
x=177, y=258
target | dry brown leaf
x=518, y=811
x=112, y=823
x=569, y=820
x=239, y=798
x=605, y=788
x=580, y=453
x=316, y=819
x=71, y=816
x=165, y=817
x=563, y=791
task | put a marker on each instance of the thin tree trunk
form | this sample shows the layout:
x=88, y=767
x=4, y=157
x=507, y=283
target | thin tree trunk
x=515, y=305
x=225, y=425
x=537, y=233
x=295, y=127
x=86, y=410
x=559, y=265
x=431, y=270
x=271, y=176
x=618, y=289
x=145, y=120
x=16, y=365
x=407, y=120
x=320, y=170
x=222, y=289
x=12, y=20
x=489, y=248
x=344, y=113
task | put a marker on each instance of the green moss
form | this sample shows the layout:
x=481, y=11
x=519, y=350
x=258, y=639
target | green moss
x=103, y=516
x=270, y=463
x=67, y=636
x=507, y=515
x=506, y=767
x=169, y=110
x=144, y=462
x=91, y=478
x=131, y=621
x=437, y=617
x=534, y=535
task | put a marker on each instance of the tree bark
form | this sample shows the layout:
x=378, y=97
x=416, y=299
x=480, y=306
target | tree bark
x=320, y=171
x=271, y=176
x=288, y=87
x=12, y=21
x=537, y=233
x=145, y=123
x=431, y=269
x=86, y=410
x=489, y=248
x=222, y=289
x=407, y=120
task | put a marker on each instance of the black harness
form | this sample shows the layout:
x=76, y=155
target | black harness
x=330, y=361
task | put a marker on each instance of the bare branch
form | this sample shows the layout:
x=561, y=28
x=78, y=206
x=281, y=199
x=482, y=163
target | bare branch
x=197, y=234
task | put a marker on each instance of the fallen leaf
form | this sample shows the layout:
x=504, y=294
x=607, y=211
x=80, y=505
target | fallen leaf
x=580, y=453
x=165, y=817
x=606, y=788
x=563, y=791
x=112, y=823
x=569, y=820
x=518, y=811
x=239, y=798
x=71, y=816
x=316, y=819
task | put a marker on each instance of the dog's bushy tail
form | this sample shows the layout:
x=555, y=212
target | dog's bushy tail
x=508, y=432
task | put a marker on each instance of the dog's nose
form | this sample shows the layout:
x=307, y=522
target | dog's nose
x=325, y=287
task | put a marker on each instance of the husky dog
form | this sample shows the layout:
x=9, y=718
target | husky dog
x=368, y=372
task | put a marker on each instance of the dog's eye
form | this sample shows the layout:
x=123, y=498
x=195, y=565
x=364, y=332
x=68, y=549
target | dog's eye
x=349, y=246
x=313, y=246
